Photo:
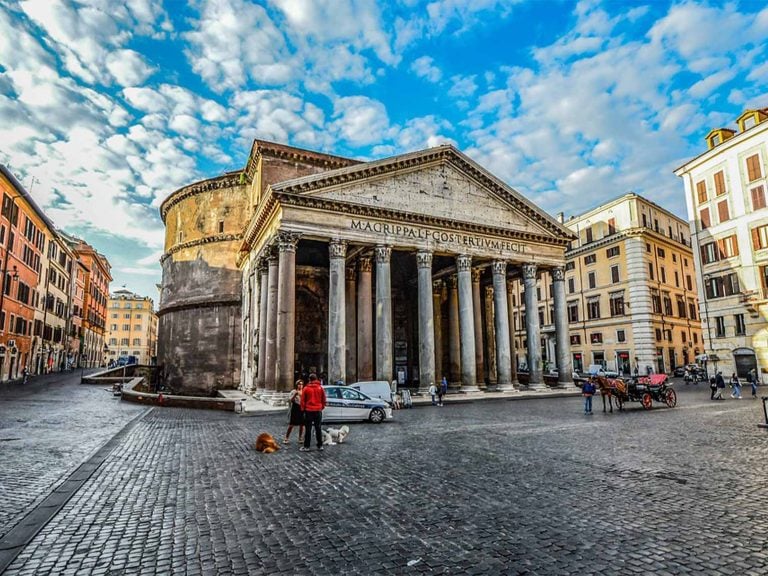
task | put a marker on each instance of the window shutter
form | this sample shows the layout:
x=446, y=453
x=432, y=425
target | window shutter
x=753, y=168
x=704, y=215
x=758, y=198
x=756, y=238
x=701, y=189
x=719, y=184
x=722, y=211
x=721, y=249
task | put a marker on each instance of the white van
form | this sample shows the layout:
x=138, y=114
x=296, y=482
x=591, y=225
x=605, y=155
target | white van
x=375, y=389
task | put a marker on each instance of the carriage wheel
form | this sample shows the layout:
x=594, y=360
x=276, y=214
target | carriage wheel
x=670, y=397
x=647, y=401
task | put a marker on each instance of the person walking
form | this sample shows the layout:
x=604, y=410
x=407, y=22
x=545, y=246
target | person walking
x=720, y=383
x=312, y=404
x=736, y=385
x=295, y=415
x=443, y=390
x=712, y=387
x=752, y=377
x=433, y=393
x=588, y=390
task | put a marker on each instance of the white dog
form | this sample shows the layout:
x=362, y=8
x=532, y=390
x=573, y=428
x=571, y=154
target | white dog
x=332, y=436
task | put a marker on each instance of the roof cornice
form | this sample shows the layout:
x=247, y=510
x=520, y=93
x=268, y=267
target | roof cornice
x=228, y=180
x=264, y=148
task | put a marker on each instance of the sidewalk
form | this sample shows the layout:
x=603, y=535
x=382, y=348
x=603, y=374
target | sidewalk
x=254, y=407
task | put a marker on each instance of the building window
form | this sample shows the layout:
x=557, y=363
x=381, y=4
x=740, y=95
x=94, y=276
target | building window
x=661, y=253
x=695, y=338
x=593, y=309
x=621, y=336
x=650, y=270
x=113, y=341
x=611, y=226
x=576, y=339
x=677, y=280
x=722, y=211
x=571, y=286
x=656, y=301
x=614, y=274
x=668, y=335
x=758, y=198
x=663, y=274
x=764, y=279
x=741, y=327
x=719, y=184
x=722, y=286
x=589, y=234
x=221, y=226
x=667, y=304
x=692, y=309
x=124, y=341
x=126, y=327
x=113, y=327
x=590, y=259
x=681, y=311
x=573, y=311
x=753, y=168
x=658, y=334
x=137, y=341
x=688, y=282
x=137, y=327
x=701, y=192
x=591, y=279
x=719, y=326
x=617, y=304
x=596, y=338
x=706, y=222
x=648, y=247
x=570, y=265
x=760, y=237
x=683, y=336
x=612, y=252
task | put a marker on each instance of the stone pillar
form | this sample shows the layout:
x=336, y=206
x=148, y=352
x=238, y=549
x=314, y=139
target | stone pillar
x=503, y=347
x=383, y=314
x=437, y=298
x=350, y=297
x=490, y=337
x=270, y=358
x=364, y=321
x=286, y=311
x=532, y=329
x=454, y=345
x=466, y=324
x=337, y=323
x=562, y=336
x=511, y=320
x=426, y=322
x=478, y=318
x=263, y=307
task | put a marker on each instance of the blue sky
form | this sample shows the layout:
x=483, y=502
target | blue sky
x=107, y=107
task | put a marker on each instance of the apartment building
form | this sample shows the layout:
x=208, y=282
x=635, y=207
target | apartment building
x=132, y=327
x=631, y=292
x=725, y=193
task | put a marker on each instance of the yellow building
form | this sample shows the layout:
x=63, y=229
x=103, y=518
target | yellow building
x=132, y=327
x=725, y=191
x=630, y=291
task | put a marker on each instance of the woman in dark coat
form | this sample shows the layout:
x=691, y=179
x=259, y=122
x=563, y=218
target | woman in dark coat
x=296, y=415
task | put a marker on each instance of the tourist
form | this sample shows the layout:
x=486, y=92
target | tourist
x=312, y=404
x=736, y=385
x=588, y=390
x=720, y=384
x=443, y=390
x=295, y=415
x=712, y=388
x=433, y=392
x=752, y=378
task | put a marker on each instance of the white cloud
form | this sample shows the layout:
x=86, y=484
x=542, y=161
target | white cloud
x=360, y=120
x=424, y=68
x=128, y=67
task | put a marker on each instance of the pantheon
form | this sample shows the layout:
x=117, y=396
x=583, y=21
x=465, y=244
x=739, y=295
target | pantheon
x=396, y=268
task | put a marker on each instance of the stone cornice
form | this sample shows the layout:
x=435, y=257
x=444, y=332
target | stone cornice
x=624, y=234
x=229, y=180
x=200, y=242
x=262, y=148
x=207, y=303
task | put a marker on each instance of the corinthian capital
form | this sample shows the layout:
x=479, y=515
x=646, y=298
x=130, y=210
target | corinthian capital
x=287, y=241
x=463, y=262
x=558, y=273
x=423, y=259
x=383, y=254
x=350, y=273
x=476, y=273
x=529, y=271
x=499, y=268
x=337, y=248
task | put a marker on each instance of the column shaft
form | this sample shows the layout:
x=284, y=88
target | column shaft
x=286, y=311
x=532, y=328
x=503, y=348
x=437, y=294
x=511, y=320
x=478, y=319
x=364, y=322
x=466, y=323
x=384, y=368
x=490, y=337
x=270, y=357
x=263, y=294
x=350, y=297
x=564, y=361
x=454, y=344
x=337, y=337
x=426, y=322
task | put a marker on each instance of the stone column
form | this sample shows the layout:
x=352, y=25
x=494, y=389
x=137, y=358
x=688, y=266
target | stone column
x=351, y=324
x=364, y=321
x=503, y=347
x=383, y=314
x=562, y=336
x=437, y=294
x=511, y=320
x=263, y=299
x=532, y=329
x=478, y=318
x=490, y=337
x=454, y=344
x=337, y=323
x=286, y=311
x=466, y=324
x=426, y=322
x=270, y=358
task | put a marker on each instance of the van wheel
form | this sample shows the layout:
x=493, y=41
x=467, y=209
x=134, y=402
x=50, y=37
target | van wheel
x=377, y=416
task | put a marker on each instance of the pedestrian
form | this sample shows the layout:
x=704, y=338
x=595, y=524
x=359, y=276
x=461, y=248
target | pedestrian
x=752, y=377
x=443, y=390
x=312, y=404
x=24, y=375
x=712, y=388
x=397, y=402
x=720, y=383
x=433, y=393
x=588, y=390
x=295, y=415
x=736, y=386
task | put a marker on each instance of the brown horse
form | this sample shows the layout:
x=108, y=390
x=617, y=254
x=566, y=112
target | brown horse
x=610, y=387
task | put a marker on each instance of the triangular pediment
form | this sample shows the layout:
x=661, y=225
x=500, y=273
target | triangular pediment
x=438, y=183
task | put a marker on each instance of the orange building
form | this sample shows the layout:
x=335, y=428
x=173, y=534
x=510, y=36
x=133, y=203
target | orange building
x=22, y=248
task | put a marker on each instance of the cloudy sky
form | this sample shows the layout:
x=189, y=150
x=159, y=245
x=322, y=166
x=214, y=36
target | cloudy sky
x=107, y=107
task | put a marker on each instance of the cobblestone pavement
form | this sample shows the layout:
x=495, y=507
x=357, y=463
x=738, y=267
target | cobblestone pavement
x=47, y=428
x=527, y=487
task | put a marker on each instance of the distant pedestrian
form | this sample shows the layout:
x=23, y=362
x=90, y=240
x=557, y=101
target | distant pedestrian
x=433, y=393
x=312, y=404
x=720, y=383
x=295, y=415
x=752, y=377
x=443, y=390
x=24, y=375
x=736, y=386
x=712, y=388
x=588, y=390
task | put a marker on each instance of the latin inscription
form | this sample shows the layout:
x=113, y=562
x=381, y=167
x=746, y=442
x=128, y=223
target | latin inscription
x=438, y=236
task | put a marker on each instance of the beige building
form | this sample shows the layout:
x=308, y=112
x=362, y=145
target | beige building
x=725, y=191
x=630, y=291
x=132, y=327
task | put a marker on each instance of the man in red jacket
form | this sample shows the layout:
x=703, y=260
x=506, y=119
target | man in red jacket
x=312, y=404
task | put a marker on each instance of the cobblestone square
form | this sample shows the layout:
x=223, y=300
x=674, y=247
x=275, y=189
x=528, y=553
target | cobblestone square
x=525, y=487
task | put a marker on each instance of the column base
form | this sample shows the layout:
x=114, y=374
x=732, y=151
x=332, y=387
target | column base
x=509, y=387
x=564, y=383
x=537, y=386
x=470, y=388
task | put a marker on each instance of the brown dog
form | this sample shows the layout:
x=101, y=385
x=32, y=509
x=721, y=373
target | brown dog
x=266, y=443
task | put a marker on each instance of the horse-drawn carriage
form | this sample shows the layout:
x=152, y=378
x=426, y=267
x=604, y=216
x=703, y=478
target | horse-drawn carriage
x=644, y=389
